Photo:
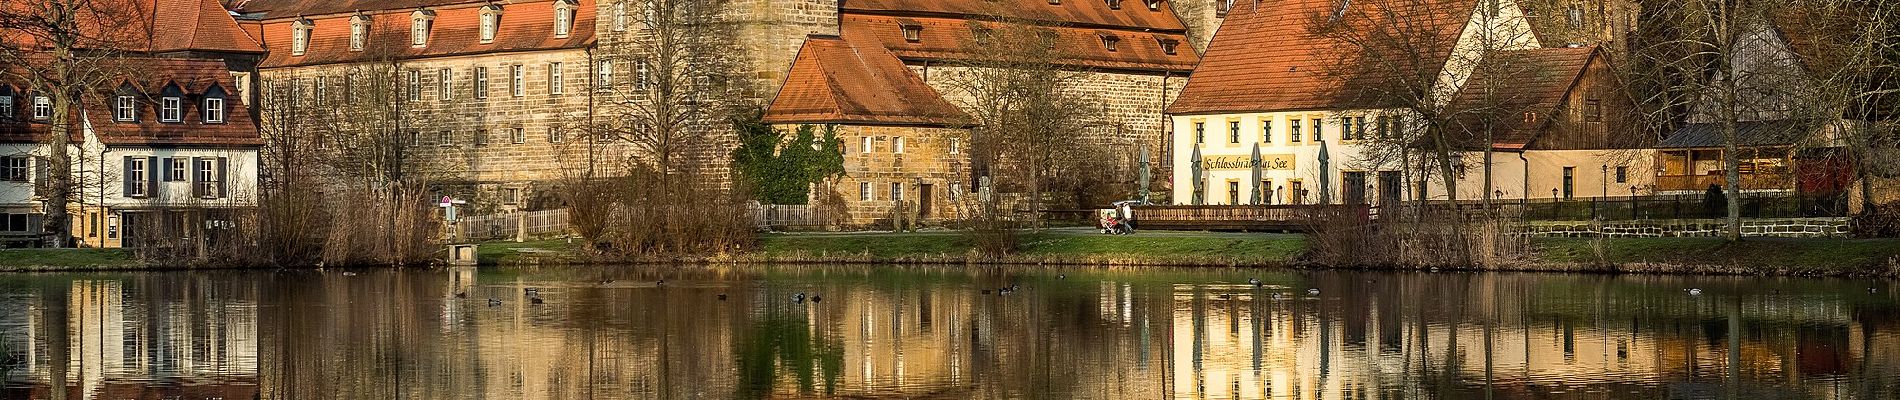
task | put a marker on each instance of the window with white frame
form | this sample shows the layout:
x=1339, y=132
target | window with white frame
x=556, y=135
x=419, y=24
x=563, y=17
x=517, y=135
x=206, y=177
x=864, y=145
x=125, y=108
x=170, y=109
x=897, y=145
x=481, y=82
x=445, y=138
x=956, y=145
x=42, y=107
x=359, y=32
x=641, y=75
x=138, y=176
x=605, y=75
x=864, y=192
x=213, y=110
x=517, y=78
x=178, y=170
x=6, y=102
x=443, y=79
x=620, y=15
x=897, y=191
x=300, y=36
x=555, y=84
x=491, y=22
x=481, y=137
x=16, y=169
x=412, y=85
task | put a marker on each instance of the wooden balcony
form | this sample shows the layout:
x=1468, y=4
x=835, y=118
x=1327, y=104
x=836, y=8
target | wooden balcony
x=1702, y=182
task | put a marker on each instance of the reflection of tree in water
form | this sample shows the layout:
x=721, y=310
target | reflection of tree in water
x=780, y=341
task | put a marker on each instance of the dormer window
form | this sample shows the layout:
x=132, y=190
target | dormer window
x=1110, y=42
x=359, y=32
x=300, y=36
x=1168, y=45
x=42, y=107
x=912, y=32
x=213, y=111
x=564, y=17
x=1153, y=5
x=1114, y=4
x=1221, y=7
x=1055, y=2
x=419, y=24
x=491, y=21
x=620, y=15
x=171, y=104
x=6, y=102
x=125, y=104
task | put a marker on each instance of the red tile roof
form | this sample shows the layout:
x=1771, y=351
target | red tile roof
x=154, y=26
x=193, y=77
x=945, y=39
x=525, y=26
x=274, y=9
x=835, y=81
x=1268, y=57
x=1133, y=14
x=1536, y=81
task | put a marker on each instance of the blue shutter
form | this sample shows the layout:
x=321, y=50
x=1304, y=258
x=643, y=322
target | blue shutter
x=127, y=173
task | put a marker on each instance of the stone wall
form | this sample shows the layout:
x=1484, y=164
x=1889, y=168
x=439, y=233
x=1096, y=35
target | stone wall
x=1807, y=227
x=933, y=160
x=462, y=138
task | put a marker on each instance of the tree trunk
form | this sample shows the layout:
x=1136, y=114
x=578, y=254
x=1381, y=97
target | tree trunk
x=59, y=191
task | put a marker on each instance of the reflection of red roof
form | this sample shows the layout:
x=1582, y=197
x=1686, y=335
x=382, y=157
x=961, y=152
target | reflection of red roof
x=945, y=38
x=156, y=26
x=833, y=81
x=193, y=77
x=524, y=26
x=1267, y=57
x=1521, y=81
x=1134, y=14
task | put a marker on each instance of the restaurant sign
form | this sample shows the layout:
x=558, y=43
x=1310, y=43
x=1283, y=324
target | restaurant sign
x=1271, y=162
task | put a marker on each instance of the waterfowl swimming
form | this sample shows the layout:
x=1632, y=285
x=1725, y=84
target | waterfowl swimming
x=722, y=297
x=1312, y=292
x=1695, y=292
x=461, y=295
x=534, y=300
x=798, y=298
x=531, y=291
x=1255, y=282
x=815, y=298
x=493, y=302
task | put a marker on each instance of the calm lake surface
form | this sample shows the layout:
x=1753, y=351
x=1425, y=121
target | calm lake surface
x=892, y=332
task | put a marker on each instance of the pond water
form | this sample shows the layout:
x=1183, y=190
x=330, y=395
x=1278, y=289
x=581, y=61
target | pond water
x=948, y=333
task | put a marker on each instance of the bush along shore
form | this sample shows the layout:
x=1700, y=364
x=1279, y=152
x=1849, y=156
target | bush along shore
x=1755, y=256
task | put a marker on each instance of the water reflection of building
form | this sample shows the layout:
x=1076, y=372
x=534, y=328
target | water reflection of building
x=98, y=340
x=1517, y=338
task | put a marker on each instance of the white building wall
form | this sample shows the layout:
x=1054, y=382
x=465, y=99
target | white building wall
x=1275, y=144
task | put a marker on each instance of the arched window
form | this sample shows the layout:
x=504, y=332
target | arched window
x=491, y=22
x=620, y=15
x=359, y=32
x=564, y=17
x=213, y=107
x=419, y=24
x=171, y=104
x=300, y=36
x=125, y=104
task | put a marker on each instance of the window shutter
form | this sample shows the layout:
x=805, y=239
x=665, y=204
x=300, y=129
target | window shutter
x=166, y=166
x=220, y=169
x=151, y=176
x=197, y=184
x=127, y=172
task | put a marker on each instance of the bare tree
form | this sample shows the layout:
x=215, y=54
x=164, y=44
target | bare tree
x=681, y=83
x=1027, y=110
x=66, y=50
x=1850, y=53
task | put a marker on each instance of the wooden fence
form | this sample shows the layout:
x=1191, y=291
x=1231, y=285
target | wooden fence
x=1246, y=218
x=787, y=216
x=506, y=226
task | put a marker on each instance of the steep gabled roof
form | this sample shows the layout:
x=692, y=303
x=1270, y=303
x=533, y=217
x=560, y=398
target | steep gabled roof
x=1270, y=56
x=147, y=26
x=1512, y=83
x=837, y=81
x=948, y=39
x=525, y=26
x=193, y=78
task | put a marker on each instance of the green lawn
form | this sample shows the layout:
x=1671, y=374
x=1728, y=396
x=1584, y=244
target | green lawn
x=65, y=258
x=1773, y=253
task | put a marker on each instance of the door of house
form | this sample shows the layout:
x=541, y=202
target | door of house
x=1355, y=188
x=924, y=199
x=1390, y=188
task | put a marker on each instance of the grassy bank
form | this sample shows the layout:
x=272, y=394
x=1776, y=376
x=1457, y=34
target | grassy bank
x=1156, y=249
x=12, y=260
x=1767, y=256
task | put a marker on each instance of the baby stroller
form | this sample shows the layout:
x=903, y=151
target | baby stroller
x=1112, y=223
